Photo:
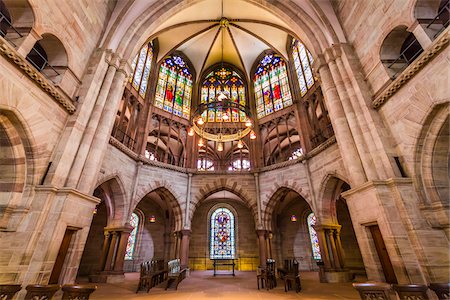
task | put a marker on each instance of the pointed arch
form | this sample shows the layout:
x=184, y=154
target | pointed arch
x=330, y=190
x=111, y=190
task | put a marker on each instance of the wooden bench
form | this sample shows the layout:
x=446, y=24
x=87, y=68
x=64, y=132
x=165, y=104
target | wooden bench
x=151, y=274
x=77, y=292
x=375, y=290
x=7, y=291
x=217, y=262
x=175, y=273
x=442, y=290
x=411, y=291
x=41, y=292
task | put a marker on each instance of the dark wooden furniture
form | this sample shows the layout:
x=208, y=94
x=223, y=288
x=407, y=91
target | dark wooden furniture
x=175, y=273
x=442, y=290
x=41, y=292
x=217, y=262
x=7, y=291
x=151, y=274
x=411, y=291
x=375, y=290
x=266, y=275
x=292, y=279
x=77, y=292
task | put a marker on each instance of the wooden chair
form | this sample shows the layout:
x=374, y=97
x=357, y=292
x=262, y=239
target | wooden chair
x=7, y=291
x=411, y=291
x=175, y=273
x=375, y=290
x=292, y=278
x=41, y=292
x=442, y=290
x=77, y=292
x=144, y=277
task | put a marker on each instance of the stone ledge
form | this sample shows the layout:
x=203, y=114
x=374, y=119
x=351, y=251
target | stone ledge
x=46, y=85
x=412, y=69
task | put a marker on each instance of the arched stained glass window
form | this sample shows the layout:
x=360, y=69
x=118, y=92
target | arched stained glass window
x=174, y=90
x=141, y=69
x=227, y=80
x=313, y=235
x=134, y=222
x=222, y=243
x=271, y=83
x=303, y=61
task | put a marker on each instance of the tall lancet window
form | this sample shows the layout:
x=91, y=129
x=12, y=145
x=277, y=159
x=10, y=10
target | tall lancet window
x=222, y=240
x=271, y=84
x=303, y=61
x=134, y=222
x=313, y=235
x=174, y=89
x=141, y=66
x=227, y=80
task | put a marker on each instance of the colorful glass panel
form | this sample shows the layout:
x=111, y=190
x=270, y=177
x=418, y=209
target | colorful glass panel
x=141, y=66
x=222, y=242
x=224, y=80
x=313, y=235
x=174, y=89
x=134, y=222
x=271, y=83
x=303, y=66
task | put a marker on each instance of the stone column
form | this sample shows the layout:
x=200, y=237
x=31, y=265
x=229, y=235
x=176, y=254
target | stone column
x=121, y=249
x=262, y=247
x=111, y=251
x=184, y=248
x=336, y=262
x=339, y=248
x=258, y=200
x=420, y=34
x=102, y=134
x=323, y=246
x=105, y=249
x=269, y=244
x=340, y=124
x=89, y=133
x=188, y=201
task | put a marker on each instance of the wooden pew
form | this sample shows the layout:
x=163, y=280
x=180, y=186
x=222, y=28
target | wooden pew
x=175, y=273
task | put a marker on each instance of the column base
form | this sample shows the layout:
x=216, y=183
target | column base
x=107, y=277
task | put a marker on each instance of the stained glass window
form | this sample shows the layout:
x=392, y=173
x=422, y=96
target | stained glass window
x=222, y=242
x=303, y=61
x=141, y=66
x=271, y=83
x=205, y=164
x=134, y=222
x=240, y=164
x=226, y=80
x=313, y=235
x=174, y=89
x=296, y=153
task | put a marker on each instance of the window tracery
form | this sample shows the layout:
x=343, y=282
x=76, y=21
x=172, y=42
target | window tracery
x=303, y=61
x=271, y=85
x=222, y=235
x=174, y=88
x=141, y=66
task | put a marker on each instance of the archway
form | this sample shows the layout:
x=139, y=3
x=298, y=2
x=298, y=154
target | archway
x=155, y=237
x=246, y=247
x=290, y=238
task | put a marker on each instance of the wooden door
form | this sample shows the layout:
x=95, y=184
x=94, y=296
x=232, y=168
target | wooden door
x=383, y=255
x=63, y=249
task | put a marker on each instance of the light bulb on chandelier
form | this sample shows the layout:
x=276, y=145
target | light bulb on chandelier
x=200, y=142
x=248, y=123
x=252, y=135
x=220, y=147
x=191, y=131
x=240, y=145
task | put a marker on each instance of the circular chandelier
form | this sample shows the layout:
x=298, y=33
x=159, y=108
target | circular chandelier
x=224, y=104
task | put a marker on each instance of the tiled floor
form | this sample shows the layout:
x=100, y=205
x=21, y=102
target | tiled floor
x=202, y=285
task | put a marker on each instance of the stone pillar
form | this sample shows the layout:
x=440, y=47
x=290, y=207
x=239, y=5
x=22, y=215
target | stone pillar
x=269, y=244
x=339, y=248
x=111, y=251
x=323, y=246
x=340, y=125
x=336, y=262
x=258, y=200
x=121, y=249
x=188, y=201
x=102, y=134
x=105, y=249
x=89, y=133
x=262, y=247
x=420, y=34
x=184, y=248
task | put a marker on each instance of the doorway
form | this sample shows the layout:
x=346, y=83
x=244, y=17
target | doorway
x=383, y=255
x=63, y=249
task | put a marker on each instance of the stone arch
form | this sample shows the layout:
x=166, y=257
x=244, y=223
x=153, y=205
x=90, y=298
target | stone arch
x=273, y=198
x=112, y=191
x=21, y=16
x=17, y=170
x=224, y=185
x=432, y=159
x=330, y=190
x=426, y=10
x=166, y=192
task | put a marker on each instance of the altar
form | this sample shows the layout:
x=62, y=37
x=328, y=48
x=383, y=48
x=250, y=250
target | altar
x=218, y=262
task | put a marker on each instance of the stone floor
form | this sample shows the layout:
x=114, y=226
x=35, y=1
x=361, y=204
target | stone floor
x=202, y=285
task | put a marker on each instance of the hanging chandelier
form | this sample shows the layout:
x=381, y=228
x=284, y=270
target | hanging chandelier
x=225, y=129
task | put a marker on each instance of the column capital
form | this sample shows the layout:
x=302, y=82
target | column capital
x=261, y=232
x=185, y=232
